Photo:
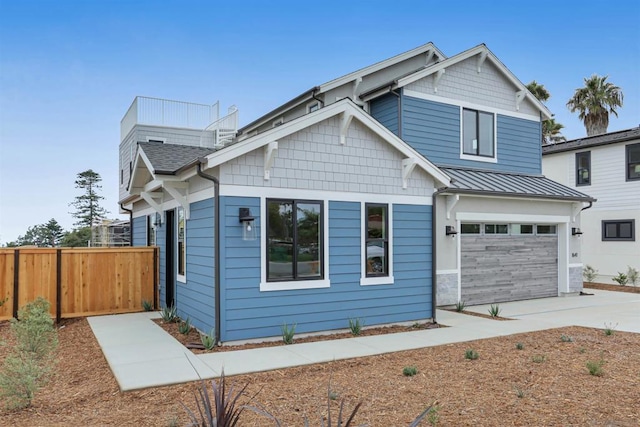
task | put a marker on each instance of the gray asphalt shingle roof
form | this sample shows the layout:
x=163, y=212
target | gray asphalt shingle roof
x=167, y=159
x=473, y=181
x=593, y=141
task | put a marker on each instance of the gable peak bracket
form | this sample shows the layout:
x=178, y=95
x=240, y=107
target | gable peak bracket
x=519, y=98
x=345, y=122
x=408, y=165
x=436, y=79
x=269, y=156
x=481, y=58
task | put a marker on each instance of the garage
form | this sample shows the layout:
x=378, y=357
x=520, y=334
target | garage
x=508, y=262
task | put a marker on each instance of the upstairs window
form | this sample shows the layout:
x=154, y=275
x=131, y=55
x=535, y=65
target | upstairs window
x=377, y=240
x=583, y=168
x=633, y=162
x=478, y=134
x=313, y=106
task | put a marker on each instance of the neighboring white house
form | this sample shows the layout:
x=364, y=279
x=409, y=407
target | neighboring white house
x=607, y=167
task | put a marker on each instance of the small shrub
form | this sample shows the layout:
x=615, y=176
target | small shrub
x=460, y=306
x=471, y=354
x=173, y=422
x=494, y=310
x=169, y=314
x=520, y=346
x=208, y=340
x=519, y=392
x=621, y=279
x=609, y=329
x=333, y=395
x=184, y=327
x=595, y=367
x=632, y=275
x=566, y=338
x=147, y=305
x=355, y=326
x=539, y=358
x=409, y=371
x=288, y=332
x=589, y=274
x=433, y=419
x=433, y=416
x=582, y=350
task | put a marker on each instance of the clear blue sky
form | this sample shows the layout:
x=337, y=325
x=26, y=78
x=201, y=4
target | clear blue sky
x=70, y=69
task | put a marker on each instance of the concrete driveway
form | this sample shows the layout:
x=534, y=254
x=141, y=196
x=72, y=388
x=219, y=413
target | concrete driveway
x=619, y=310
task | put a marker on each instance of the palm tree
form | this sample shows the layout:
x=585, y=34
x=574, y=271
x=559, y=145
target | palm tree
x=594, y=102
x=550, y=128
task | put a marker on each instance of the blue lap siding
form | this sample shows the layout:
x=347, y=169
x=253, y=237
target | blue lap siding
x=249, y=313
x=139, y=231
x=385, y=110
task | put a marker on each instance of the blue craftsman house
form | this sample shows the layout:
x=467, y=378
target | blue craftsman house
x=407, y=184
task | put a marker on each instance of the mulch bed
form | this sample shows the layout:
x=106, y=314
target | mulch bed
x=615, y=288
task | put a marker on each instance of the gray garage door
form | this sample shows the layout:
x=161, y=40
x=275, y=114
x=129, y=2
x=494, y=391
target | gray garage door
x=508, y=268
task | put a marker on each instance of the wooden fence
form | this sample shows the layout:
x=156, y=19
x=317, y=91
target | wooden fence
x=79, y=281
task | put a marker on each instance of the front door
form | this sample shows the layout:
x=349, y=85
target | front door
x=170, y=279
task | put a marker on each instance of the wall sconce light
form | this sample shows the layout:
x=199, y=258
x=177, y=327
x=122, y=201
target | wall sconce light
x=248, y=226
x=156, y=221
x=576, y=232
x=450, y=231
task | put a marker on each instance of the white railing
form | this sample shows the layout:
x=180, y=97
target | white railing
x=224, y=129
x=164, y=112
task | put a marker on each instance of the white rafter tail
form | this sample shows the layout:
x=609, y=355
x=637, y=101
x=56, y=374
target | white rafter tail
x=408, y=165
x=269, y=156
x=356, y=85
x=345, y=122
x=172, y=189
x=429, y=57
x=150, y=198
x=481, y=59
x=451, y=202
x=436, y=79
x=519, y=97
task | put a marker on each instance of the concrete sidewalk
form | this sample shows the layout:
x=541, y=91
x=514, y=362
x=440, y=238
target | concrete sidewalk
x=141, y=354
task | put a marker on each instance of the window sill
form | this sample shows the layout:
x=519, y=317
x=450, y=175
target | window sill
x=478, y=158
x=373, y=281
x=294, y=285
x=181, y=279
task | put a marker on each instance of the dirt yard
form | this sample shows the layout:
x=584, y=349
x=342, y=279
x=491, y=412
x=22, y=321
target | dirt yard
x=545, y=383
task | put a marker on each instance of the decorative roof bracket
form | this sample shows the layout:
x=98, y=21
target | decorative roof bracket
x=150, y=197
x=345, y=122
x=481, y=58
x=356, y=85
x=575, y=211
x=269, y=157
x=172, y=189
x=436, y=78
x=519, y=97
x=429, y=57
x=451, y=202
x=408, y=165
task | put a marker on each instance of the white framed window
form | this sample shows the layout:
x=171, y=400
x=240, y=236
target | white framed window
x=181, y=238
x=152, y=221
x=546, y=229
x=377, y=247
x=478, y=135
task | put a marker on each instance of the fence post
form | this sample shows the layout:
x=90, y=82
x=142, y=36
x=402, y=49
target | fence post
x=58, y=285
x=16, y=281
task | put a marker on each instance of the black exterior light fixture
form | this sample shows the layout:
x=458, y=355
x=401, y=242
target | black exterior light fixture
x=450, y=231
x=576, y=231
x=248, y=226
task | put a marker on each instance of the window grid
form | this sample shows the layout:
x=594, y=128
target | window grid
x=623, y=230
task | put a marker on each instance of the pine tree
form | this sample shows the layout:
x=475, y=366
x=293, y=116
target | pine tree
x=88, y=209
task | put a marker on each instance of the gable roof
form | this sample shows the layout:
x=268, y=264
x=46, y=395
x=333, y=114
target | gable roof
x=481, y=49
x=348, y=109
x=593, y=141
x=492, y=183
x=167, y=159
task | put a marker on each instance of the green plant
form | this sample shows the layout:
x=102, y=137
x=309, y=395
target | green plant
x=589, y=274
x=409, y=371
x=632, y=275
x=538, y=358
x=566, y=338
x=471, y=354
x=609, y=329
x=169, y=314
x=427, y=412
x=460, y=306
x=433, y=416
x=184, y=327
x=520, y=346
x=582, y=350
x=621, y=279
x=208, y=340
x=494, y=310
x=173, y=422
x=31, y=360
x=333, y=395
x=355, y=326
x=288, y=332
x=519, y=392
x=147, y=305
x=595, y=367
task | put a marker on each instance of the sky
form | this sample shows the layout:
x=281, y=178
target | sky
x=69, y=70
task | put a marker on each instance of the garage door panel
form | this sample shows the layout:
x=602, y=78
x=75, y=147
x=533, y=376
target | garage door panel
x=508, y=268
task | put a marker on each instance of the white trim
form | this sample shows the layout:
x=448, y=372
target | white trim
x=181, y=277
x=466, y=104
x=295, y=193
x=408, y=165
x=277, y=122
x=512, y=218
x=477, y=158
x=370, y=281
x=311, y=104
x=443, y=272
x=266, y=286
x=576, y=265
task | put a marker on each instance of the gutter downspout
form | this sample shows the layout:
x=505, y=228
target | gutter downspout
x=130, y=223
x=216, y=201
x=434, y=250
x=313, y=95
x=587, y=207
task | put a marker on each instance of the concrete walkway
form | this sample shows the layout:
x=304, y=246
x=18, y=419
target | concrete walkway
x=141, y=354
